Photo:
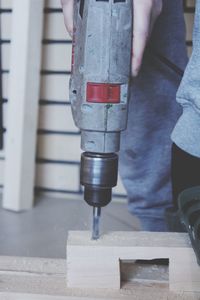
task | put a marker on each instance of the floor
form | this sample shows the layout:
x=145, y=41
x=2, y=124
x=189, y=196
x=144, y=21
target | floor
x=42, y=231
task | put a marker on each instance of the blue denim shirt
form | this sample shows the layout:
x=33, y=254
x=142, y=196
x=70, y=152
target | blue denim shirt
x=186, y=134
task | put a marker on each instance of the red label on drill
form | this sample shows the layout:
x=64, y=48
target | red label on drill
x=103, y=92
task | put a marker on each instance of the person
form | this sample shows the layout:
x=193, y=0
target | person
x=186, y=134
x=145, y=155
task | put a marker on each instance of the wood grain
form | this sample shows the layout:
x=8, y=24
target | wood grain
x=25, y=278
x=96, y=263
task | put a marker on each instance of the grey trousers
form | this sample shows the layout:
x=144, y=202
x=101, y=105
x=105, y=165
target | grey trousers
x=145, y=154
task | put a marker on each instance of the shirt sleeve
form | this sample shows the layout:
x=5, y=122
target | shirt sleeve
x=186, y=134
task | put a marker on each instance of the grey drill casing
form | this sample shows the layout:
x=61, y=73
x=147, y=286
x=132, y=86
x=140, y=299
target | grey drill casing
x=99, y=88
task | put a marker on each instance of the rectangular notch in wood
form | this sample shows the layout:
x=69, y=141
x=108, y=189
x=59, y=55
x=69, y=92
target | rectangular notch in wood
x=152, y=272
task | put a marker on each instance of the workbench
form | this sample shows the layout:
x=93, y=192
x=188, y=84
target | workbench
x=45, y=279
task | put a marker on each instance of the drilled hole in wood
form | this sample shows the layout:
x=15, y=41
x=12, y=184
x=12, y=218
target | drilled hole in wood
x=145, y=272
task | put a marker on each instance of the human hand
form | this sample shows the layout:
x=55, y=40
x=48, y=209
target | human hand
x=145, y=13
x=67, y=6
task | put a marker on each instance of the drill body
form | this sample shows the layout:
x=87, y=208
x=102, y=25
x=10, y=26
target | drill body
x=99, y=89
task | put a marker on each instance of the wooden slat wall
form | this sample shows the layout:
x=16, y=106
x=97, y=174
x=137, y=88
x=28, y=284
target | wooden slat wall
x=6, y=15
x=58, y=147
x=58, y=150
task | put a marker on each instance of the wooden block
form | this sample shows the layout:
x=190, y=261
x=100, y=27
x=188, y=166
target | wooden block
x=97, y=263
x=184, y=271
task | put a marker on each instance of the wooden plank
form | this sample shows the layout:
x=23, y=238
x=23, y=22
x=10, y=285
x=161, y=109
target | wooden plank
x=96, y=263
x=23, y=104
x=5, y=36
x=5, y=56
x=5, y=82
x=54, y=27
x=2, y=167
x=59, y=147
x=52, y=3
x=5, y=115
x=32, y=265
x=56, y=57
x=55, y=87
x=45, y=279
x=6, y=26
x=16, y=296
x=56, y=118
x=2, y=152
x=6, y=4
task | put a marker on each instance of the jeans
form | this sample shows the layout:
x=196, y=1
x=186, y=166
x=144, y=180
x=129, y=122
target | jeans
x=144, y=160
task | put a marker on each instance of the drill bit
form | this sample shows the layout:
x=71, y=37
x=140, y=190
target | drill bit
x=96, y=219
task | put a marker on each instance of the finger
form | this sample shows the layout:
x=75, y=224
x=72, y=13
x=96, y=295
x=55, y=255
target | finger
x=141, y=27
x=68, y=6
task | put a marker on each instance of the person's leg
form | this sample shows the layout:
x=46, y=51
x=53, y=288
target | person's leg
x=185, y=172
x=145, y=146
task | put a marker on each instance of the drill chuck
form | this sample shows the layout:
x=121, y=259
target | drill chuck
x=98, y=176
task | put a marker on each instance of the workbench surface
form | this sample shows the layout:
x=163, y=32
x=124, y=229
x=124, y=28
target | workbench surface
x=45, y=279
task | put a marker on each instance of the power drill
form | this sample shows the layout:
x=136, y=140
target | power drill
x=99, y=90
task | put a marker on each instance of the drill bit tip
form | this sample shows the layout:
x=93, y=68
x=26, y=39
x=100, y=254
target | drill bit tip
x=96, y=219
